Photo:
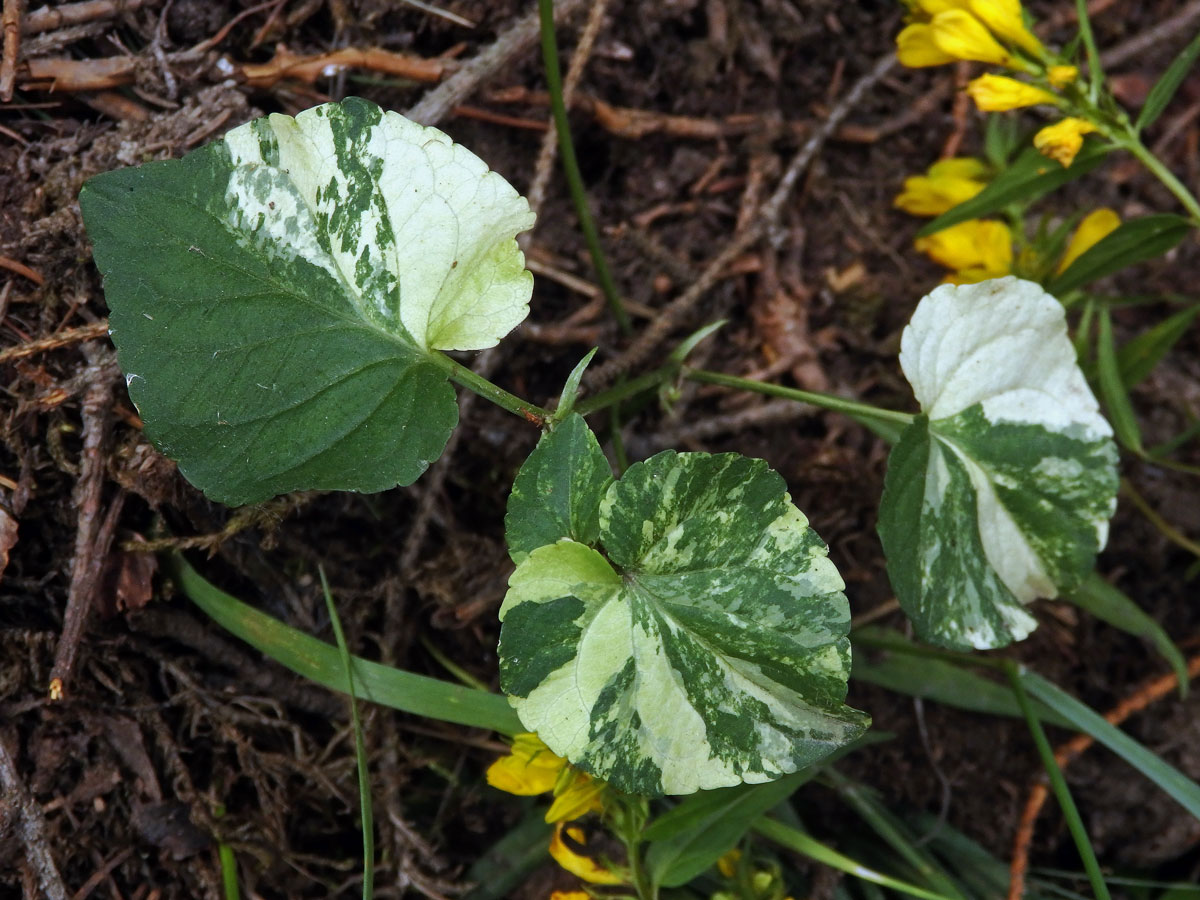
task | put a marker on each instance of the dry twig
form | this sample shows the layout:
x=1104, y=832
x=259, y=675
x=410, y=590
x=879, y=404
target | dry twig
x=31, y=828
x=309, y=68
x=11, y=21
x=55, y=341
x=519, y=37
x=93, y=536
x=644, y=346
x=51, y=18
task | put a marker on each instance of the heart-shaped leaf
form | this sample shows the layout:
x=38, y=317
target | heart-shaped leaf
x=698, y=642
x=1001, y=491
x=278, y=297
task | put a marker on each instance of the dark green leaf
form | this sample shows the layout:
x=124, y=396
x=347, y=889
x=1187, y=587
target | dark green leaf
x=508, y=862
x=1001, y=137
x=1166, y=86
x=557, y=492
x=1132, y=242
x=693, y=836
x=1028, y=178
x=1140, y=355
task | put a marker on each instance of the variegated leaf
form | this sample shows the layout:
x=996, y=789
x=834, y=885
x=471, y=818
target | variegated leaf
x=558, y=490
x=699, y=642
x=1001, y=491
x=278, y=297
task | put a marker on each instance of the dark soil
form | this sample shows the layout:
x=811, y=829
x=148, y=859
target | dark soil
x=172, y=737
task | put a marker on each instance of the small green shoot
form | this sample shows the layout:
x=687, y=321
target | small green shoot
x=360, y=747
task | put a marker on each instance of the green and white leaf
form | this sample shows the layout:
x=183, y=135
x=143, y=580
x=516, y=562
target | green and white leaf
x=1001, y=491
x=699, y=642
x=278, y=297
x=558, y=490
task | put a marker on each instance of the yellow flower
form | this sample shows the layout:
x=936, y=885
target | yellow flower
x=533, y=768
x=976, y=249
x=580, y=796
x=1095, y=226
x=1061, y=76
x=947, y=183
x=570, y=895
x=568, y=846
x=916, y=49
x=1003, y=17
x=1062, y=140
x=530, y=768
x=996, y=93
x=727, y=864
x=962, y=36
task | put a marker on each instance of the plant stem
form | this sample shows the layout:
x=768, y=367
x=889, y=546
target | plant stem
x=1095, y=73
x=1059, y=784
x=571, y=166
x=824, y=401
x=1134, y=145
x=472, y=381
x=623, y=390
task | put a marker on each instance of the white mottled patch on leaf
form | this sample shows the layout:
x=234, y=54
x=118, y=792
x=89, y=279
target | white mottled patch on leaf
x=416, y=227
x=1002, y=343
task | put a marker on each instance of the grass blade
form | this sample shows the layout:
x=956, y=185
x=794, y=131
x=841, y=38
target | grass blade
x=894, y=832
x=1178, y=786
x=570, y=164
x=1166, y=86
x=801, y=843
x=360, y=747
x=931, y=678
x=320, y=662
x=1059, y=785
x=1116, y=608
x=1138, y=358
x=1112, y=389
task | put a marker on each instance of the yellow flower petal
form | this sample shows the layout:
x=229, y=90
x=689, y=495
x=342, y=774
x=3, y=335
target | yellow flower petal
x=566, y=845
x=570, y=895
x=946, y=184
x=996, y=93
x=915, y=47
x=933, y=7
x=727, y=864
x=580, y=797
x=962, y=36
x=1094, y=227
x=960, y=167
x=1061, y=76
x=1062, y=140
x=977, y=244
x=530, y=768
x=1004, y=19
